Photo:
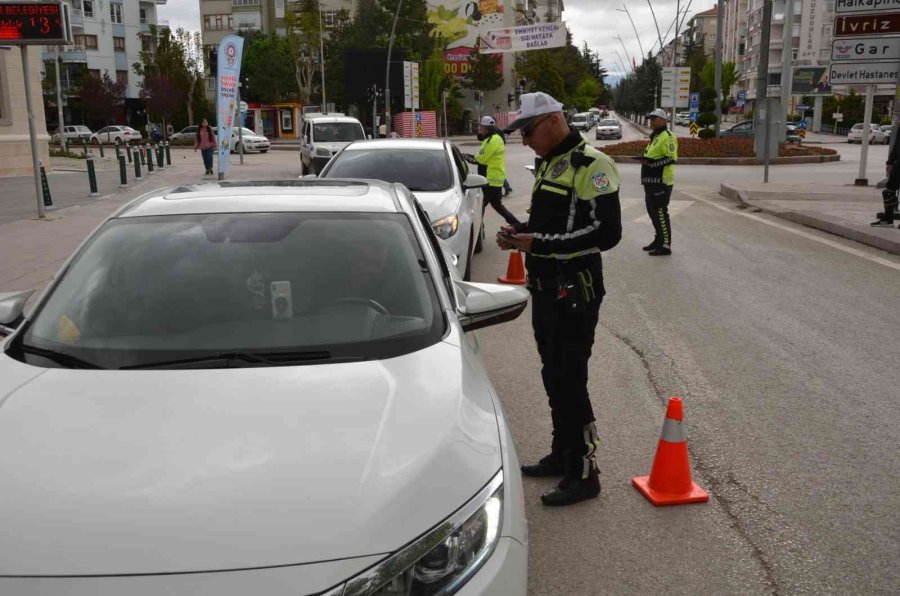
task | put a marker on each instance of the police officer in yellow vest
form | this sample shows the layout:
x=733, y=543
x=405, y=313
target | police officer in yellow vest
x=658, y=178
x=575, y=214
x=491, y=162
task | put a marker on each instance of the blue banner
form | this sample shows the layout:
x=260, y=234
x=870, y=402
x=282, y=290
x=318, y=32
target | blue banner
x=231, y=49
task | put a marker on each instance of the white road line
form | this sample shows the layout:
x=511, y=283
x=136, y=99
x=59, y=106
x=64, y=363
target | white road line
x=837, y=245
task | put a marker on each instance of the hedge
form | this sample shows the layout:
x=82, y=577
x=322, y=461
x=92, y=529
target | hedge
x=719, y=147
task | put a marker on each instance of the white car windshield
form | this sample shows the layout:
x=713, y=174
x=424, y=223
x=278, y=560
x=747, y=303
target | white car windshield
x=178, y=291
x=609, y=123
x=417, y=169
x=335, y=132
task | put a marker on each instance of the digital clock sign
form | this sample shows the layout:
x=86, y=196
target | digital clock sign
x=23, y=23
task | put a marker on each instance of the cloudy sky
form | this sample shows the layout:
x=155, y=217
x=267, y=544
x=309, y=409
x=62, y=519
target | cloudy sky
x=597, y=22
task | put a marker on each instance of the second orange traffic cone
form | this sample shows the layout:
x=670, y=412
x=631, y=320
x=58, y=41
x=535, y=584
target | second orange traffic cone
x=669, y=482
x=515, y=270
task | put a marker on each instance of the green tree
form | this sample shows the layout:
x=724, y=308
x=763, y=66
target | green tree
x=102, y=98
x=586, y=94
x=730, y=77
x=433, y=80
x=484, y=72
x=268, y=69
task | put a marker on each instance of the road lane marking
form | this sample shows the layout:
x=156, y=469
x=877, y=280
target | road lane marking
x=809, y=236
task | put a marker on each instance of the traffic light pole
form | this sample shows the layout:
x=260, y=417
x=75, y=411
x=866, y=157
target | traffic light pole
x=387, y=76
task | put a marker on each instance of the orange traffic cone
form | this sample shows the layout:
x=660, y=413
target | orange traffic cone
x=669, y=482
x=515, y=270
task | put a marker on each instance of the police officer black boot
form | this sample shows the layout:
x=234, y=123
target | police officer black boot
x=886, y=218
x=653, y=245
x=580, y=483
x=553, y=464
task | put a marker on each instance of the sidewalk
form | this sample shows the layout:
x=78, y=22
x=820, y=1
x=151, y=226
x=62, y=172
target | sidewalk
x=844, y=211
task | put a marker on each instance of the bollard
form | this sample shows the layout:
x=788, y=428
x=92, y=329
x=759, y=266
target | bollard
x=100, y=145
x=149, y=150
x=123, y=173
x=84, y=145
x=92, y=176
x=118, y=152
x=137, y=164
x=168, y=154
x=128, y=152
x=140, y=151
x=159, y=156
x=45, y=188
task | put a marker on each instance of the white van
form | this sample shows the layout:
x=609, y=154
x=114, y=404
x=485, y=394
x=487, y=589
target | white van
x=324, y=135
x=582, y=121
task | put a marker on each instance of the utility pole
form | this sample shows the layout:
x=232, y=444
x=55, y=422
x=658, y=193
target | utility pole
x=640, y=45
x=59, y=106
x=658, y=34
x=387, y=76
x=787, y=75
x=626, y=51
x=720, y=18
x=675, y=57
x=322, y=56
x=762, y=81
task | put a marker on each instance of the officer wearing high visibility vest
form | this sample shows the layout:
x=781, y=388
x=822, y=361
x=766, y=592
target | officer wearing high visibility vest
x=575, y=214
x=491, y=161
x=658, y=178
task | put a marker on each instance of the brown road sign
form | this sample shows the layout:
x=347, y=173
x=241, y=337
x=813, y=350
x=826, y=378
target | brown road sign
x=872, y=24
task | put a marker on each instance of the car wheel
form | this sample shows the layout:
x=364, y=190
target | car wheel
x=237, y=148
x=479, y=244
x=263, y=150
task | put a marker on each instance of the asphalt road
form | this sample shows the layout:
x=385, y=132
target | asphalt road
x=783, y=343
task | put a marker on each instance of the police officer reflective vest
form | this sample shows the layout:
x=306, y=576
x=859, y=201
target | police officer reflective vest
x=574, y=205
x=661, y=154
x=492, y=159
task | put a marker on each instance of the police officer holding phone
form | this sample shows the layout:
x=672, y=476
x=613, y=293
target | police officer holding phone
x=575, y=214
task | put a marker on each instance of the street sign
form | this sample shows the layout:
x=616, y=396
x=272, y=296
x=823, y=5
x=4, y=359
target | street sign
x=243, y=107
x=837, y=117
x=872, y=24
x=865, y=49
x=676, y=86
x=411, y=85
x=693, y=129
x=694, y=116
x=802, y=132
x=31, y=23
x=853, y=6
x=741, y=99
x=865, y=74
x=802, y=125
x=695, y=102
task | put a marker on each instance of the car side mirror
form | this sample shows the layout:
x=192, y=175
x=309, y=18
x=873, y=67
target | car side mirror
x=474, y=181
x=12, y=309
x=482, y=305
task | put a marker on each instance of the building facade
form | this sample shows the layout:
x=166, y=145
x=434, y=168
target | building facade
x=108, y=37
x=701, y=29
x=15, y=144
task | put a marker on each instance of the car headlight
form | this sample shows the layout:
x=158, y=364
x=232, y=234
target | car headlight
x=322, y=152
x=446, y=227
x=444, y=559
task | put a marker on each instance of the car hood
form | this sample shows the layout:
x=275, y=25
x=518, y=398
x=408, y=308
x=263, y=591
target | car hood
x=254, y=138
x=143, y=472
x=333, y=147
x=439, y=204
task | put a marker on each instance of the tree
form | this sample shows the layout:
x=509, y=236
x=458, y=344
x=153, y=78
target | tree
x=162, y=96
x=433, y=80
x=102, y=98
x=177, y=57
x=303, y=41
x=730, y=77
x=484, y=72
x=586, y=95
x=268, y=69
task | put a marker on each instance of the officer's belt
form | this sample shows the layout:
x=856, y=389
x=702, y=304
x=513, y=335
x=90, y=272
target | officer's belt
x=564, y=271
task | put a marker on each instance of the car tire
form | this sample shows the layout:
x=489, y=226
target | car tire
x=263, y=150
x=236, y=148
x=479, y=244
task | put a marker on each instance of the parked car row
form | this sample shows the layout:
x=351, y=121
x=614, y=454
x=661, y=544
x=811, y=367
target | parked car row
x=877, y=134
x=745, y=130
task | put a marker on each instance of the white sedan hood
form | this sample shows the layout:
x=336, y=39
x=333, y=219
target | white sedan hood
x=439, y=204
x=134, y=472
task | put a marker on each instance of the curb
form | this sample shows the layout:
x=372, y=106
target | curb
x=739, y=161
x=742, y=197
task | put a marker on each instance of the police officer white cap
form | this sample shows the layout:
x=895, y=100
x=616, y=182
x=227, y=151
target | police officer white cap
x=658, y=113
x=488, y=121
x=532, y=105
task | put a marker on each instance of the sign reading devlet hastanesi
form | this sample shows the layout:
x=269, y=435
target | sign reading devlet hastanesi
x=230, y=51
x=540, y=36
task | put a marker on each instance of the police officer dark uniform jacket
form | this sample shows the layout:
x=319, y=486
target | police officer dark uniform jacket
x=575, y=214
x=889, y=192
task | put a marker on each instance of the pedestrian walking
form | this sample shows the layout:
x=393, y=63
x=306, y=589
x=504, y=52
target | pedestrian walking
x=170, y=130
x=889, y=192
x=658, y=178
x=575, y=214
x=206, y=143
x=491, y=161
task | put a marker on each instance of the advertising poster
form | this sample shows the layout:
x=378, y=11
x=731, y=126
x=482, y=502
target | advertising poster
x=811, y=80
x=460, y=23
x=230, y=50
x=530, y=37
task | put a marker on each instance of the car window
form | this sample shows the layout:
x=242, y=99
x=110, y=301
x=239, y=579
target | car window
x=334, y=132
x=419, y=170
x=157, y=289
x=609, y=123
x=460, y=163
x=857, y=127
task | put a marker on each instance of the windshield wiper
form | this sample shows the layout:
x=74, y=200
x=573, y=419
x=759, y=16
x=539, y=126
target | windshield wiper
x=66, y=360
x=259, y=358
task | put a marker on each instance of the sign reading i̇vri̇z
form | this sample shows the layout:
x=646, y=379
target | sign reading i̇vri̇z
x=32, y=23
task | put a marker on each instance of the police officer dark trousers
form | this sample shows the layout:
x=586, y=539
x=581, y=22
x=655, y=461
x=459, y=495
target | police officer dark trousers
x=889, y=192
x=658, y=178
x=575, y=214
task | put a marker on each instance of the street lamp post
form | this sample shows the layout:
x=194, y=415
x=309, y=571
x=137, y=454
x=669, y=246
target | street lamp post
x=387, y=76
x=59, y=107
x=322, y=56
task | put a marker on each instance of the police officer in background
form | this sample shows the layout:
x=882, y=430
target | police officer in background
x=491, y=161
x=658, y=178
x=575, y=214
x=889, y=192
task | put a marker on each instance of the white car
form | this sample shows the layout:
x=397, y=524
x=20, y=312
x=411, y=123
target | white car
x=257, y=388
x=188, y=133
x=582, y=121
x=683, y=118
x=436, y=173
x=876, y=135
x=608, y=129
x=76, y=134
x=117, y=135
x=323, y=135
x=251, y=141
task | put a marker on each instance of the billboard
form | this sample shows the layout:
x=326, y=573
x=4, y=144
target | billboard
x=231, y=49
x=811, y=80
x=530, y=37
x=460, y=24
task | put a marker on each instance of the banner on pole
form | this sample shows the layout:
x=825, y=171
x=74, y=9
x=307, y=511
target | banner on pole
x=230, y=51
x=540, y=36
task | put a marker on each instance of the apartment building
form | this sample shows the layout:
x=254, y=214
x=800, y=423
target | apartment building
x=701, y=29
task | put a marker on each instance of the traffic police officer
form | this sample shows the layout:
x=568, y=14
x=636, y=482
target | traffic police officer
x=658, y=177
x=575, y=214
x=491, y=161
x=889, y=192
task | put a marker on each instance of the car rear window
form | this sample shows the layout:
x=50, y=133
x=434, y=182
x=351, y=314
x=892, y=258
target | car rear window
x=422, y=170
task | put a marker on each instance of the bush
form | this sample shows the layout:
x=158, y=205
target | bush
x=718, y=147
x=706, y=119
x=706, y=133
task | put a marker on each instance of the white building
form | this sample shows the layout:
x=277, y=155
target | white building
x=15, y=147
x=108, y=37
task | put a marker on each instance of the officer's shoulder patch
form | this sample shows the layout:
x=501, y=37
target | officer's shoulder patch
x=600, y=181
x=672, y=146
x=559, y=168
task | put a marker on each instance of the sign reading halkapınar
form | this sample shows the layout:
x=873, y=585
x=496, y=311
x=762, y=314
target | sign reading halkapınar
x=865, y=74
x=848, y=6
x=529, y=37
